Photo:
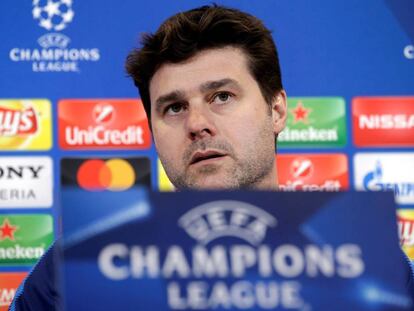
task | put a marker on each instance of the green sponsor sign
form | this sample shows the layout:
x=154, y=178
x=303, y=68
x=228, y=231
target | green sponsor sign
x=314, y=122
x=24, y=238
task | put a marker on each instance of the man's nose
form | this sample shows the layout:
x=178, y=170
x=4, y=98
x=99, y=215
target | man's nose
x=200, y=123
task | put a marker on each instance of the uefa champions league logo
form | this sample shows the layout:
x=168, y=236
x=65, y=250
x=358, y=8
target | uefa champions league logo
x=55, y=53
x=217, y=219
x=53, y=14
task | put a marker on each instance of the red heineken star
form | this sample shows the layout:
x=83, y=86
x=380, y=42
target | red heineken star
x=7, y=230
x=300, y=113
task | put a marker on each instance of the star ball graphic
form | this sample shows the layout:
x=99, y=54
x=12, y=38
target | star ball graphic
x=53, y=15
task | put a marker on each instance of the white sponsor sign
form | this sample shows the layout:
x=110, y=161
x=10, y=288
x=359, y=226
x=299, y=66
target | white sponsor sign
x=386, y=171
x=26, y=182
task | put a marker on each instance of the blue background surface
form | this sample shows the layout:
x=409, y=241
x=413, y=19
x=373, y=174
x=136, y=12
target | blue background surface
x=327, y=48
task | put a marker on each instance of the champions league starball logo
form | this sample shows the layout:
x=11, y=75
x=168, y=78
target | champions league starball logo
x=54, y=54
x=53, y=15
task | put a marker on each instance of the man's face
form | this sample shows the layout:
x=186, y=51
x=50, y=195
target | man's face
x=211, y=125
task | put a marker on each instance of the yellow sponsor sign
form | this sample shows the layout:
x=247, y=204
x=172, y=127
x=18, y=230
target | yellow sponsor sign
x=406, y=231
x=25, y=124
x=164, y=184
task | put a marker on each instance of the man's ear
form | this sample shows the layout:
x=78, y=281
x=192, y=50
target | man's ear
x=279, y=112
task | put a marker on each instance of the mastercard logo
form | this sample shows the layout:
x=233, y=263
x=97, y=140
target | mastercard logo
x=100, y=175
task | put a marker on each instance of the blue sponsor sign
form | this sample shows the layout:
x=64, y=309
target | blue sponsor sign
x=232, y=251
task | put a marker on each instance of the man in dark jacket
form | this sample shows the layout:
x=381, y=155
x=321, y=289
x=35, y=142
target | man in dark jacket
x=210, y=82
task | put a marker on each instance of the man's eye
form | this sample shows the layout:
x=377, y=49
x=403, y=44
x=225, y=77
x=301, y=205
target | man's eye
x=173, y=109
x=222, y=97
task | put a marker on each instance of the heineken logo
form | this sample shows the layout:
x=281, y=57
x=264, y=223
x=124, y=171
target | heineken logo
x=24, y=238
x=300, y=113
x=7, y=230
x=314, y=122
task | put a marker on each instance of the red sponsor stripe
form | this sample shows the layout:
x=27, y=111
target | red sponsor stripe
x=102, y=124
x=387, y=121
x=9, y=282
x=325, y=167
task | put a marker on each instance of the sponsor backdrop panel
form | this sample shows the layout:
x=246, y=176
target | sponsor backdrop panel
x=234, y=251
x=66, y=103
x=383, y=121
x=24, y=238
x=9, y=282
x=314, y=122
x=386, y=171
x=25, y=124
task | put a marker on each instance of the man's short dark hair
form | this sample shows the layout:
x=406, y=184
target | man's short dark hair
x=185, y=34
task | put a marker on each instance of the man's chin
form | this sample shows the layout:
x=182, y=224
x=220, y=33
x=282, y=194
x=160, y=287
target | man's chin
x=213, y=186
x=213, y=182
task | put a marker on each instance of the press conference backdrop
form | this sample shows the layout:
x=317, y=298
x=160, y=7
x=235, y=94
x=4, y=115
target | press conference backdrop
x=68, y=113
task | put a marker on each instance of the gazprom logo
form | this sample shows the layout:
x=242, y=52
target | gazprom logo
x=218, y=219
x=373, y=181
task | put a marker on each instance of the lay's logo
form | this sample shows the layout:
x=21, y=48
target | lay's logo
x=16, y=122
x=406, y=231
x=25, y=125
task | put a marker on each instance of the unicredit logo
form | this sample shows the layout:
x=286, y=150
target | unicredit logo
x=17, y=121
x=302, y=168
x=312, y=172
x=112, y=174
x=103, y=124
x=101, y=136
x=103, y=113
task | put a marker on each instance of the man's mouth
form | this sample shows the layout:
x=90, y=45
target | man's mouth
x=209, y=156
